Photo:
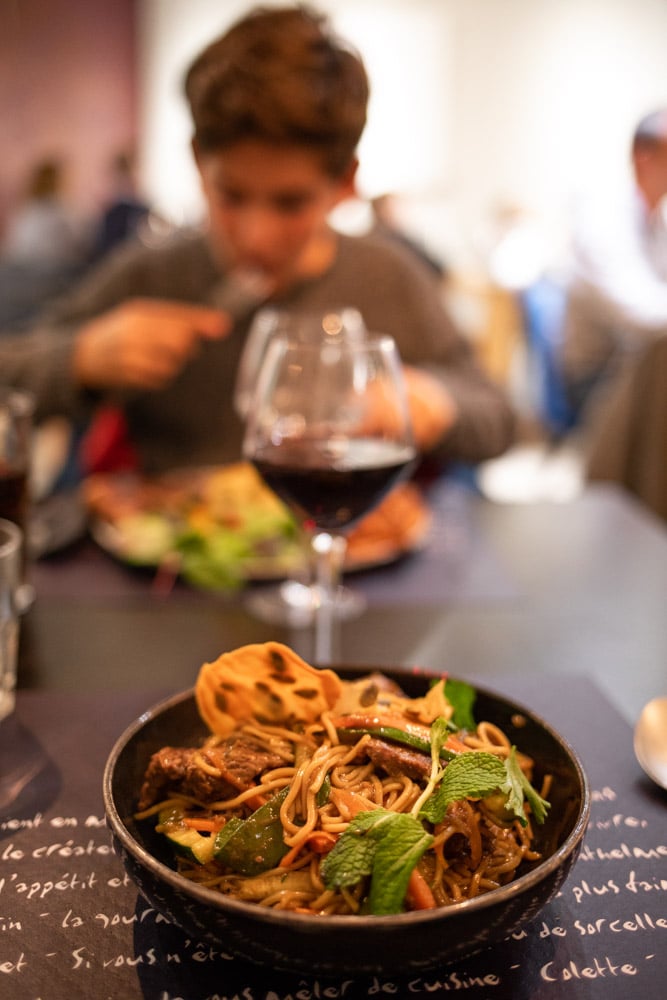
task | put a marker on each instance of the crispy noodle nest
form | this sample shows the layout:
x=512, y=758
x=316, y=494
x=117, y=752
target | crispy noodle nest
x=267, y=682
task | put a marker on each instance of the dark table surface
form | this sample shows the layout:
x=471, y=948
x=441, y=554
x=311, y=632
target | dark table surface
x=576, y=588
x=558, y=605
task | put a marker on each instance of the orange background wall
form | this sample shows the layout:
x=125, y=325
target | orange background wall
x=67, y=88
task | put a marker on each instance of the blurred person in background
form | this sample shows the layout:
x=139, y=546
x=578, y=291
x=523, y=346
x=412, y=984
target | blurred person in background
x=44, y=229
x=617, y=296
x=386, y=222
x=278, y=105
x=615, y=348
x=125, y=211
x=45, y=247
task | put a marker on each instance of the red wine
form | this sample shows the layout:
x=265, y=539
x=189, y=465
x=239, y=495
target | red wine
x=13, y=495
x=333, y=492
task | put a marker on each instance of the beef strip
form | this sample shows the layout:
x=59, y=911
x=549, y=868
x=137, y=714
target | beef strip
x=398, y=760
x=174, y=770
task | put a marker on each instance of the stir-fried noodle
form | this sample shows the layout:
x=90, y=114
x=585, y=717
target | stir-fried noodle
x=324, y=774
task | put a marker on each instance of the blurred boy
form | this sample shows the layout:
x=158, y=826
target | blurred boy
x=278, y=105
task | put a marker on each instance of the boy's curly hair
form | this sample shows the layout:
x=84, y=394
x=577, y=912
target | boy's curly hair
x=281, y=76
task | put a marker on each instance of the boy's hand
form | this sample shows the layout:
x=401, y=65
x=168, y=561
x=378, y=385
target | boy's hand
x=143, y=343
x=432, y=409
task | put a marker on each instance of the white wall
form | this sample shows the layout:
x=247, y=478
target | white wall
x=476, y=103
x=400, y=150
x=547, y=95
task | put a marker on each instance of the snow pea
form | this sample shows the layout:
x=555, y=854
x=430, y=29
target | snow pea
x=394, y=735
x=256, y=844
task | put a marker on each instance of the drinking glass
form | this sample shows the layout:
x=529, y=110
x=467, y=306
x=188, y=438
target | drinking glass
x=329, y=432
x=21, y=756
x=16, y=435
x=16, y=414
x=293, y=601
x=11, y=539
x=271, y=322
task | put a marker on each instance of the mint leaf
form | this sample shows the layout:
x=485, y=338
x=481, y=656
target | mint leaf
x=440, y=730
x=398, y=851
x=438, y=734
x=351, y=859
x=470, y=775
x=517, y=786
x=384, y=845
x=461, y=696
x=477, y=774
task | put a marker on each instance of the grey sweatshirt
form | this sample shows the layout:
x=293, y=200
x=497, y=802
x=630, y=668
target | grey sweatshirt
x=192, y=421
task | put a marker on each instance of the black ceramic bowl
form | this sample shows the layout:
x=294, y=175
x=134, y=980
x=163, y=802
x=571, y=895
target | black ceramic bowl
x=347, y=945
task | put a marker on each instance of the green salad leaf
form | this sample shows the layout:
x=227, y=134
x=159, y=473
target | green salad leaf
x=213, y=562
x=146, y=538
x=274, y=525
x=383, y=845
x=219, y=559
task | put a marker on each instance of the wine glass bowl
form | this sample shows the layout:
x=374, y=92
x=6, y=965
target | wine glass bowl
x=329, y=432
x=294, y=601
x=271, y=322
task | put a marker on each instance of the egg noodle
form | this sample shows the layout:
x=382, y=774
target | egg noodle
x=367, y=751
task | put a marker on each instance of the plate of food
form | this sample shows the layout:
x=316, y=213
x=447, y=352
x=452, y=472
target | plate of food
x=344, y=821
x=220, y=527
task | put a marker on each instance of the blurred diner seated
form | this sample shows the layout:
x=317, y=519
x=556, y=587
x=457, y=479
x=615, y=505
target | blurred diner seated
x=629, y=445
x=614, y=351
x=158, y=330
x=524, y=263
x=617, y=291
x=125, y=210
x=386, y=222
x=45, y=246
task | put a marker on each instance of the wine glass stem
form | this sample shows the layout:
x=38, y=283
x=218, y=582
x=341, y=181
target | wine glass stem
x=329, y=554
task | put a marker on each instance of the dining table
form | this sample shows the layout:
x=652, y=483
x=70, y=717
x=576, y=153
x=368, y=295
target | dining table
x=559, y=606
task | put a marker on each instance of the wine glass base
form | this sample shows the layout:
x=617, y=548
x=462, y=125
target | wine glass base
x=295, y=604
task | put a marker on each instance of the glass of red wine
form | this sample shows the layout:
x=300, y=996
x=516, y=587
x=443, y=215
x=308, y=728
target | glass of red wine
x=294, y=601
x=329, y=432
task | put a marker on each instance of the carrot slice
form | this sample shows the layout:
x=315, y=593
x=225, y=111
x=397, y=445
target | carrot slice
x=349, y=803
x=318, y=841
x=456, y=745
x=419, y=895
x=321, y=841
x=203, y=825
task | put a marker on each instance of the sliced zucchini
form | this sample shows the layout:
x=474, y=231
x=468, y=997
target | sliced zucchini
x=185, y=841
